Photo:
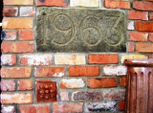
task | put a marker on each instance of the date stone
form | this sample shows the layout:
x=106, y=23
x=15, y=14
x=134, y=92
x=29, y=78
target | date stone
x=80, y=30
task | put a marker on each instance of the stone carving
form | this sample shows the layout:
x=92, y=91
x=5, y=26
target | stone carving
x=80, y=30
x=46, y=91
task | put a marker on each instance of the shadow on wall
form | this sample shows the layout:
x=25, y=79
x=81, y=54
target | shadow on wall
x=1, y=17
x=1, y=14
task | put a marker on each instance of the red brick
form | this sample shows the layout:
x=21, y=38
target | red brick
x=25, y=84
x=35, y=59
x=27, y=11
x=150, y=56
x=151, y=16
x=18, y=47
x=17, y=23
x=72, y=83
x=26, y=35
x=7, y=85
x=14, y=72
x=103, y=58
x=144, y=47
x=123, y=81
x=10, y=11
x=83, y=71
x=51, y=3
x=144, y=26
x=9, y=35
x=49, y=71
x=68, y=108
x=16, y=98
x=18, y=2
x=121, y=105
x=102, y=82
x=137, y=15
x=8, y=60
x=117, y=4
x=22, y=45
x=34, y=109
x=140, y=5
x=131, y=47
x=8, y=47
x=138, y=36
x=151, y=37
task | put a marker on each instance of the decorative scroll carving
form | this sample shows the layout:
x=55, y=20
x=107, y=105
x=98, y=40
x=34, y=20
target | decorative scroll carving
x=80, y=30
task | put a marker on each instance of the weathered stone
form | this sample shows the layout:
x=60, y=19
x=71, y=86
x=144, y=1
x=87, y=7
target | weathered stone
x=80, y=30
x=101, y=107
x=86, y=96
x=114, y=94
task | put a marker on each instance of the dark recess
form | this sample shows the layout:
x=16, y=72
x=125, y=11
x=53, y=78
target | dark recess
x=1, y=17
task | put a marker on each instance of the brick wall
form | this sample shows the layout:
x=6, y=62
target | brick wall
x=83, y=80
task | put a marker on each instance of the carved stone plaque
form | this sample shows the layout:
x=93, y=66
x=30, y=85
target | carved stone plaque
x=80, y=30
x=46, y=91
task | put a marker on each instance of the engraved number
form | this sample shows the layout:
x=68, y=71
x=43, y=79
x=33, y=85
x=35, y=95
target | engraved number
x=64, y=28
x=89, y=30
x=114, y=35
